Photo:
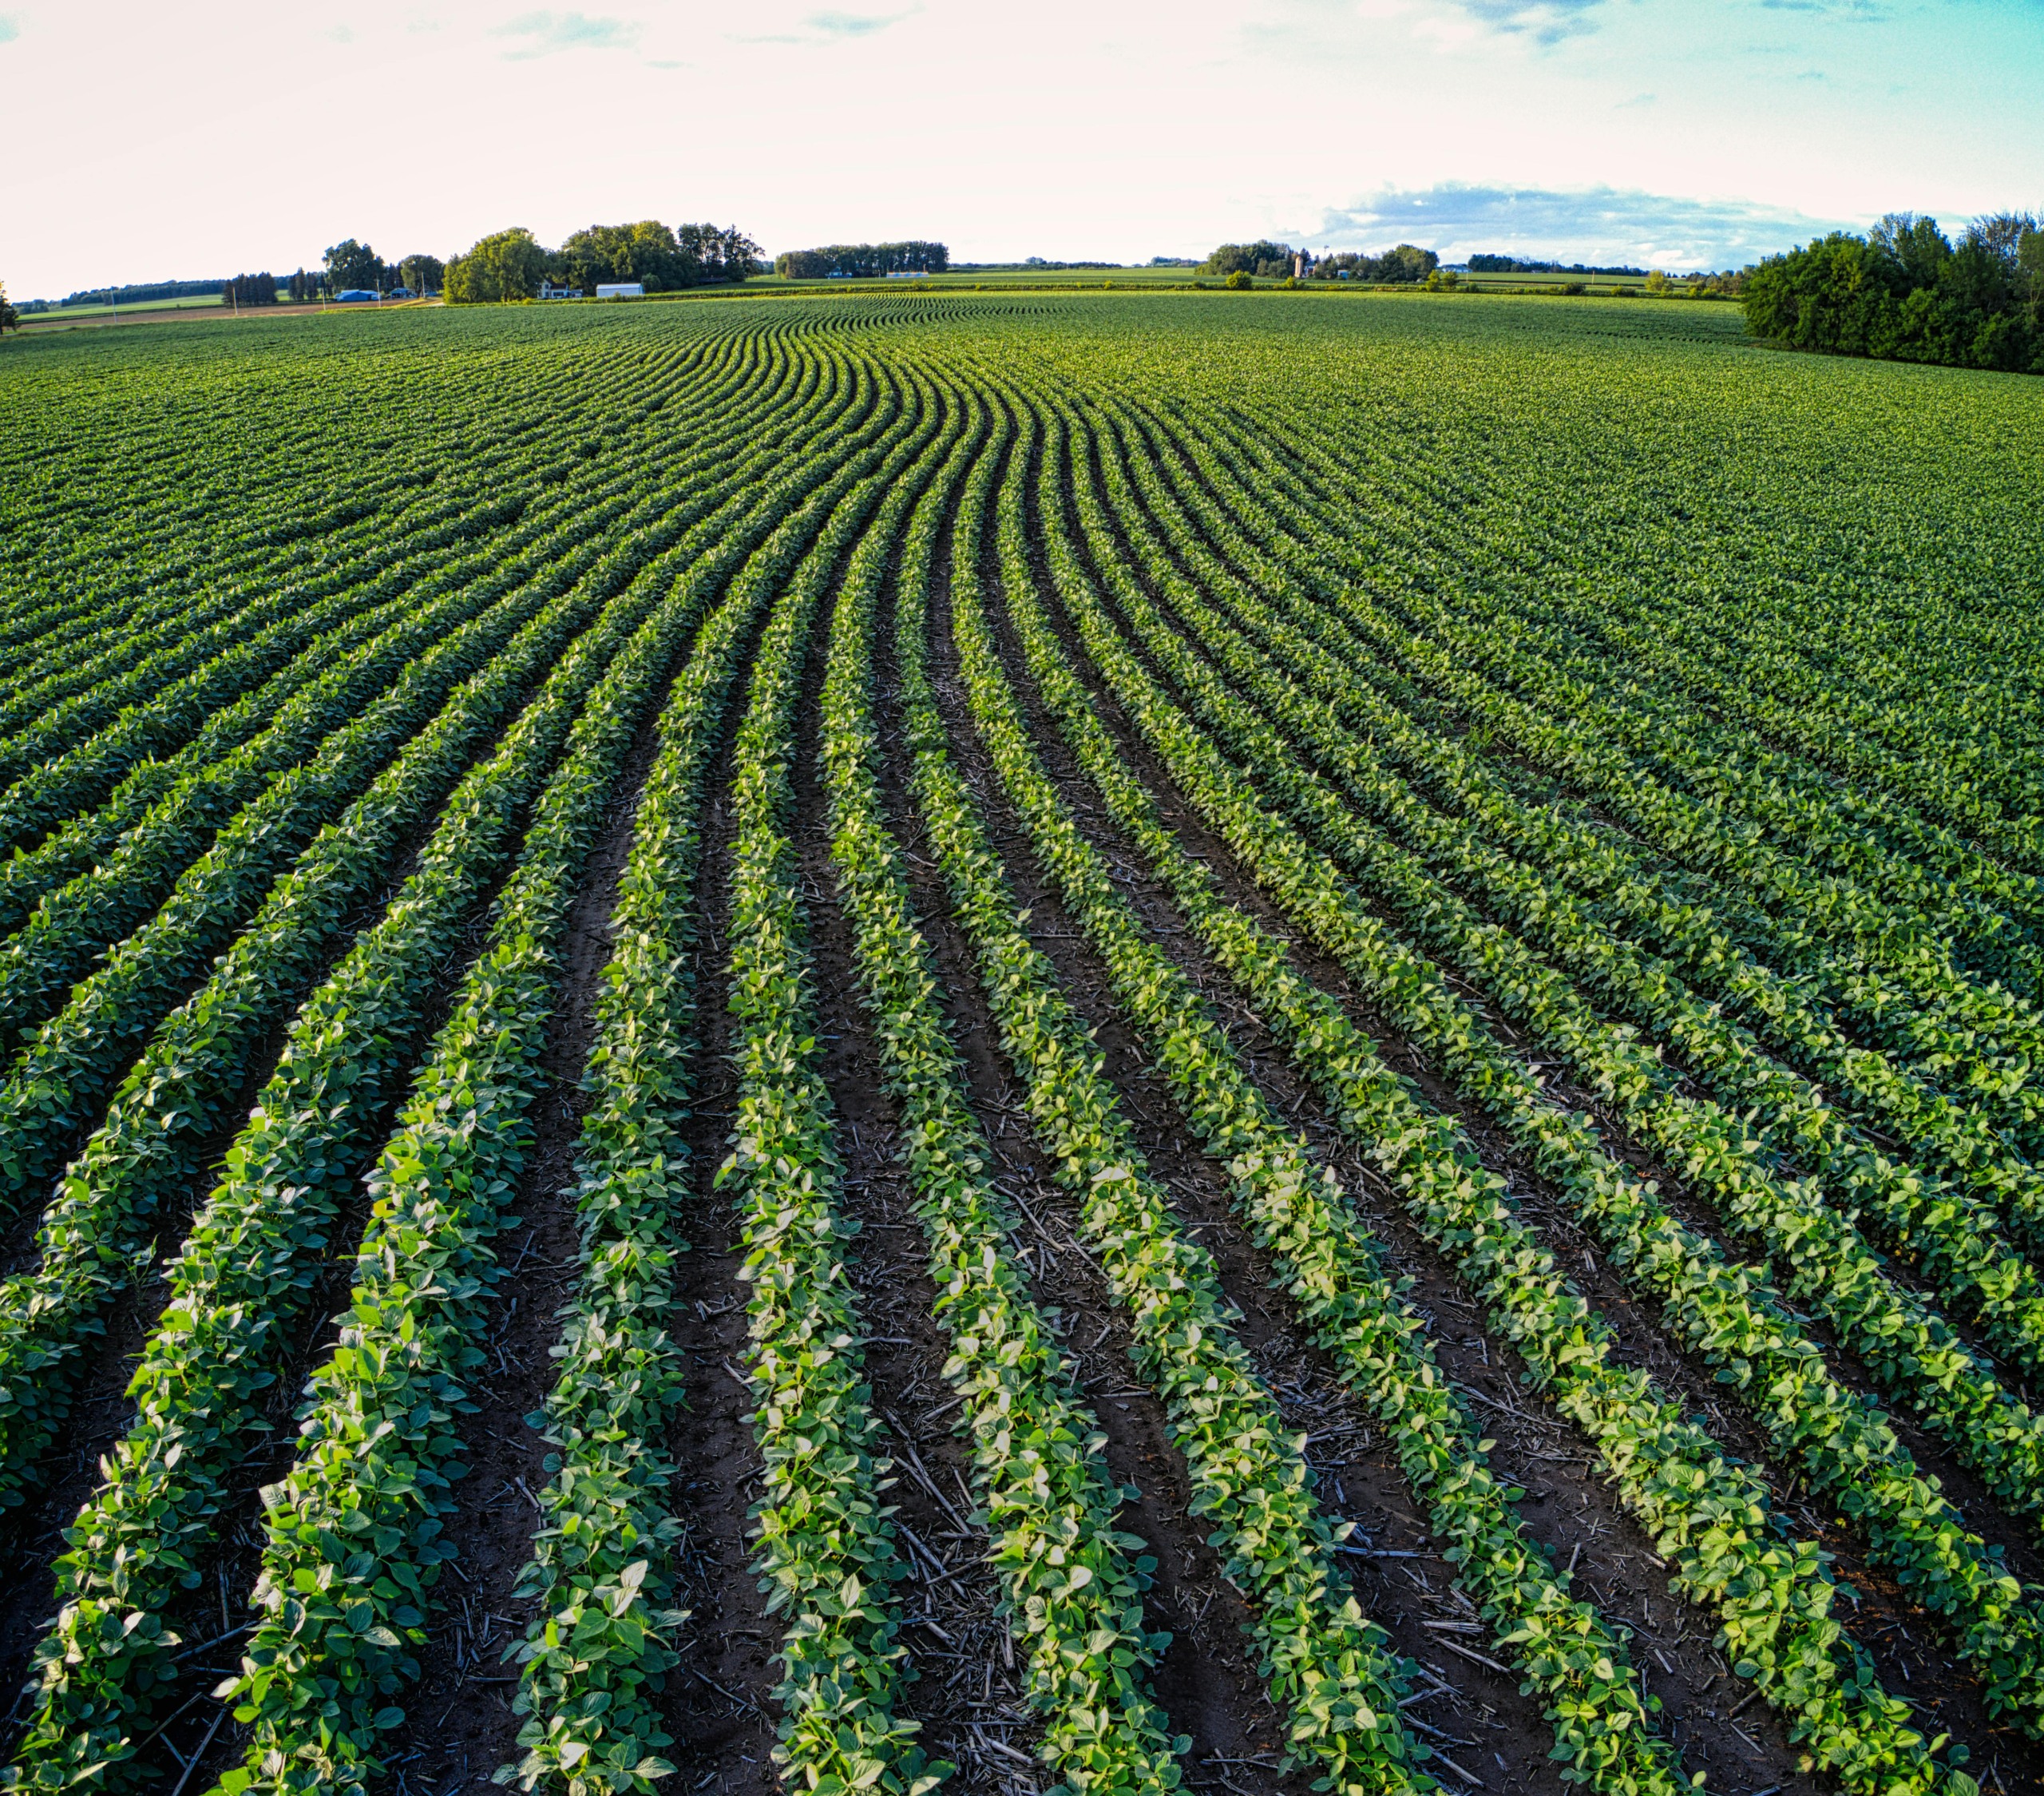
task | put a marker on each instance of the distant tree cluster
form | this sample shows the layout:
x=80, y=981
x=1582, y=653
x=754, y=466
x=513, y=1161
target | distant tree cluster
x=1407, y=265
x=1272, y=261
x=421, y=274
x=505, y=265
x=1484, y=264
x=249, y=290
x=10, y=319
x=663, y=260
x=349, y=267
x=138, y=295
x=862, y=261
x=354, y=267
x=1029, y=265
x=1730, y=284
x=510, y=264
x=1905, y=292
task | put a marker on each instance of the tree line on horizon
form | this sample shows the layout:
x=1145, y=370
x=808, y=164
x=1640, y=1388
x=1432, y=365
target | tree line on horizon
x=1482, y=263
x=509, y=265
x=862, y=261
x=1406, y=265
x=1906, y=293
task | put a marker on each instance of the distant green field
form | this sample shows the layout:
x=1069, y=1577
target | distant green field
x=190, y=303
x=1100, y=1037
x=1135, y=276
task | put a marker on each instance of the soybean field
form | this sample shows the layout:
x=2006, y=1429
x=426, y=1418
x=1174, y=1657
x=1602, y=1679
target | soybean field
x=1019, y=1043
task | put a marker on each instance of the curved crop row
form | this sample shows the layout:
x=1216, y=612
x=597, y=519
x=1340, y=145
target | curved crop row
x=1324, y=1661
x=443, y=556
x=1954, y=1239
x=533, y=534
x=1911, y=1350
x=1893, y=980
x=1721, y=1309
x=354, y=1529
x=1326, y=1260
x=244, y=1273
x=436, y=493
x=1772, y=1590
x=597, y=1655
x=1310, y=639
x=1071, y=1591
x=825, y=1550
x=178, y=1093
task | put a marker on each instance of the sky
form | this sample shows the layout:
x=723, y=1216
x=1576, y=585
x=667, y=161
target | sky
x=154, y=140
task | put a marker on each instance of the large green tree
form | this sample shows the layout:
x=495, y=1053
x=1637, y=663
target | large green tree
x=1406, y=263
x=420, y=272
x=1905, y=292
x=864, y=261
x=665, y=259
x=1272, y=260
x=647, y=252
x=507, y=265
x=10, y=319
x=352, y=265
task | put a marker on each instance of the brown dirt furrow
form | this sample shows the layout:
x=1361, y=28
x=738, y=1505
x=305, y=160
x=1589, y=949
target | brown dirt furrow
x=1205, y=1682
x=719, y=1700
x=460, y=1725
x=967, y=1691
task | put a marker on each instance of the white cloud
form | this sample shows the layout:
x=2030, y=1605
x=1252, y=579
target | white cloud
x=852, y=25
x=1546, y=21
x=546, y=33
x=1606, y=225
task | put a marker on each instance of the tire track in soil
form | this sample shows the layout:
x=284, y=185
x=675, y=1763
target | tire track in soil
x=33, y=1535
x=1204, y=1680
x=1892, y=1629
x=718, y=1700
x=969, y=1690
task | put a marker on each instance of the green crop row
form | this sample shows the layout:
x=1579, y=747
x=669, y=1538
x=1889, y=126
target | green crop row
x=1954, y=1239
x=355, y=1529
x=1895, y=981
x=595, y=1661
x=1910, y=1349
x=239, y=1286
x=186, y=726
x=65, y=787
x=1326, y=1662
x=1071, y=1580
x=1324, y=1258
x=1326, y=651
x=825, y=1547
x=1667, y=1468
